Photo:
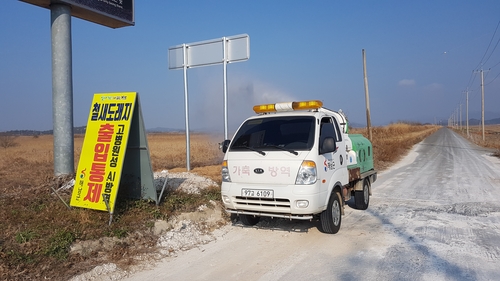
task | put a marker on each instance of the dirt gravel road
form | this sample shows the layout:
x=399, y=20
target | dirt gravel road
x=433, y=216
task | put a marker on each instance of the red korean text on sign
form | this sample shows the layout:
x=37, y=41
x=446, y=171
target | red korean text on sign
x=98, y=166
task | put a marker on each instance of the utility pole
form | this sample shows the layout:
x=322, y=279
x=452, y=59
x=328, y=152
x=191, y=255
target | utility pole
x=455, y=114
x=467, y=110
x=482, y=102
x=367, y=98
x=460, y=117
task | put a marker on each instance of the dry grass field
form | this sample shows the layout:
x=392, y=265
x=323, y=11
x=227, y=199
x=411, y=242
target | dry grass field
x=38, y=229
x=391, y=142
x=491, y=136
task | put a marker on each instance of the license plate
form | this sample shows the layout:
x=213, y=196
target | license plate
x=258, y=193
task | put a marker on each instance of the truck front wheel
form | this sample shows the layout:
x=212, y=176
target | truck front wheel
x=332, y=217
x=362, y=197
x=249, y=220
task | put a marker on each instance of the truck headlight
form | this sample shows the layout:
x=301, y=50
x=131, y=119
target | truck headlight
x=307, y=173
x=225, y=172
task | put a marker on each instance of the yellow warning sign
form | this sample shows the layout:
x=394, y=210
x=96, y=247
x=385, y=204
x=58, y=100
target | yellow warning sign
x=103, y=152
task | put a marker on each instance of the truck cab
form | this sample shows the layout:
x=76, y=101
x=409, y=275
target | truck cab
x=291, y=161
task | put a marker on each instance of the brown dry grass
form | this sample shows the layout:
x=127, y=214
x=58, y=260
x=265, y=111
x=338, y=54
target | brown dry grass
x=491, y=136
x=37, y=229
x=169, y=151
x=392, y=142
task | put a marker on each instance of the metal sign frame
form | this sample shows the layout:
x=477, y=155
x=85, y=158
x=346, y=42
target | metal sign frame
x=205, y=53
x=210, y=52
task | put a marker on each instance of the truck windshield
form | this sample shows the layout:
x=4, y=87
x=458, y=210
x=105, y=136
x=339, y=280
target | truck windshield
x=275, y=133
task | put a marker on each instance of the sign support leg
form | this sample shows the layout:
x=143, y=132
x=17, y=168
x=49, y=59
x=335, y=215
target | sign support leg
x=224, y=42
x=188, y=167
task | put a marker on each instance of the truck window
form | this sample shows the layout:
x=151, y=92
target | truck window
x=327, y=130
x=337, y=129
x=293, y=132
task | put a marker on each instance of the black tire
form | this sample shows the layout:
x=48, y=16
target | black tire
x=233, y=217
x=249, y=220
x=331, y=218
x=362, y=197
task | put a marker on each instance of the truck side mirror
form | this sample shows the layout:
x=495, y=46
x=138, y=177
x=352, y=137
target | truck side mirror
x=328, y=145
x=225, y=145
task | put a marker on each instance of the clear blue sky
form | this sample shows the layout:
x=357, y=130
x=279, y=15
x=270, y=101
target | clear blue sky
x=420, y=59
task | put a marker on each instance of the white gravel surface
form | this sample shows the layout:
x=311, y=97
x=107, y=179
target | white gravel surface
x=433, y=216
x=184, y=232
x=185, y=181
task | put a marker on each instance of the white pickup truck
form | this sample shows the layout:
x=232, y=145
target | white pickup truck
x=296, y=160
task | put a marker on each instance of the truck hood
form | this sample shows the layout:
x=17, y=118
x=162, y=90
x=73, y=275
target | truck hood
x=276, y=167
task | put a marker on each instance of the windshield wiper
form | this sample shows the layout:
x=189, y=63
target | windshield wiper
x=250, y=148
x=282, y=148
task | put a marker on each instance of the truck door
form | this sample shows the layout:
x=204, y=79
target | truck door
x=333, y=163
x=342, y=148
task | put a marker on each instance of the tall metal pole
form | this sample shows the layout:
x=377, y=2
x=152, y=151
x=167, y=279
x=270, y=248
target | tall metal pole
x=460, y=116
x=467, y=109
x=62, y=89
x=482, y=101
x=188, y=154
x=455, y=118
x=224, y=43
x=367, y=98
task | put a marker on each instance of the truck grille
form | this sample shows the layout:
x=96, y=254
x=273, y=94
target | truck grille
x=264, y=202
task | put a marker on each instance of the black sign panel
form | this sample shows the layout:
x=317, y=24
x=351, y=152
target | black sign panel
x=111, y=13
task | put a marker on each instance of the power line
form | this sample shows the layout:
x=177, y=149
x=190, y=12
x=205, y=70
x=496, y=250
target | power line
x=493, y=79
x=495, y=65
x=485, y=52
x=495, y=76
x=498, y=41
x=473, y=77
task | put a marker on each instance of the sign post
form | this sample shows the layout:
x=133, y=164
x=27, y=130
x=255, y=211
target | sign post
x=217, y=51
x=114, y=154
x=110, y=13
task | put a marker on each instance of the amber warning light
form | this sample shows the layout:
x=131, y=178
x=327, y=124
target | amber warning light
x=287, y=106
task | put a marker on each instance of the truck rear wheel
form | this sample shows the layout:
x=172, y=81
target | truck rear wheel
x=331, y=218
x=362, y=197
x=249, y=220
